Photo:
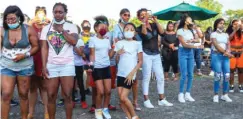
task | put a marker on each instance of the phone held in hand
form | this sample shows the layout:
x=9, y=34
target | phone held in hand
x=150, y=14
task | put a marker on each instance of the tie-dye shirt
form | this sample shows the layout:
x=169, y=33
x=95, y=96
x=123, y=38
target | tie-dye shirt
x=60, y=52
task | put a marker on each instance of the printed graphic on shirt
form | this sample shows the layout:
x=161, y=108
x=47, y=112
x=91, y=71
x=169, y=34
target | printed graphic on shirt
x=56, y=40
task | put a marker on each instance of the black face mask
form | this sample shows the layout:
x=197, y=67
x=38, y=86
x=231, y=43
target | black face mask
x=86, y=28
x=189, y=26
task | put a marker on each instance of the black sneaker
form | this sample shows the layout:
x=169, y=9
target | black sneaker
x=241, y=88
x=60, y=103
x=88, y=92
x=14, y=103
x=231, y=89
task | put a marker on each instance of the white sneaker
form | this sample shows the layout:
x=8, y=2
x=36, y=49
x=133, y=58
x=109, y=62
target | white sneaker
x=98, y=114
x=188, y=97
x=216, y=98
x=164, y=102
x=181, y=98
x=148, y=104
x=226, y=98
x=106, y=113
x=211, y=73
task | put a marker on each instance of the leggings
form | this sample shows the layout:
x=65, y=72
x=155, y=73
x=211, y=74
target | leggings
x=79, y=77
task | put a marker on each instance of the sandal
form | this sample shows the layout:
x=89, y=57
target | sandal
x=136, y=107
x=30, y=116
x=46, y=116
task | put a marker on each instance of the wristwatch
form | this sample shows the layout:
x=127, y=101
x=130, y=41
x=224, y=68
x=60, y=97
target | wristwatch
x=27, y=54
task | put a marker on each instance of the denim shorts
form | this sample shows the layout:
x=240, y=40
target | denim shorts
x=24, y=72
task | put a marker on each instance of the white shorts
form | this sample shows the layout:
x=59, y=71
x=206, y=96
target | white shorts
x=55, y=70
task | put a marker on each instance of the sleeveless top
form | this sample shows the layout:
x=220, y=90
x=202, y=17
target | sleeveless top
x=8, y=51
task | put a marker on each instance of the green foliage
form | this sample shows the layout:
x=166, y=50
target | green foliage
x=210, y=5
x=112, y=23
x=234, y=14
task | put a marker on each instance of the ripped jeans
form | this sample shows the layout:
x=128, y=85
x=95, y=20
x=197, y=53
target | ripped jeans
x=221, y=68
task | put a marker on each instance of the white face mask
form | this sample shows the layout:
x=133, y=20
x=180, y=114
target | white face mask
x=220, y=30
x=60, y=22
x=128, y=34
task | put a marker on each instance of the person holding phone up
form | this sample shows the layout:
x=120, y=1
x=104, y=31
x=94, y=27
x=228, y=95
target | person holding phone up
x=149, y=33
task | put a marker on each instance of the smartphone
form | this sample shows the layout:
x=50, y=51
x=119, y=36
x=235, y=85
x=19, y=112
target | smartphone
x=150, y=14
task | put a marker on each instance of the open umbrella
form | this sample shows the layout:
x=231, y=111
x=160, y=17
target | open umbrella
x=174, y=13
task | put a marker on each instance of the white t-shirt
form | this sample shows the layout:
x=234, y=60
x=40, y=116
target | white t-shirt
x=60, y=51
x=129, y=59
x=102, y=47
x=185, y=33
x=222, y=39
x=78, y=60
x=196, y=35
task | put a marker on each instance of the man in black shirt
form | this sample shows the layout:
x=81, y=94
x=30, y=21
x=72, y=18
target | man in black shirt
x=149, y=32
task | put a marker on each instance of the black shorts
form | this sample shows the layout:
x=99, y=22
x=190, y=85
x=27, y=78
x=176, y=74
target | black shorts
x=101, y=73
x=121, y=83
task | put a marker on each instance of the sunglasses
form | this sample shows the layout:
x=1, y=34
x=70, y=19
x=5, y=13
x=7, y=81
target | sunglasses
x=38, y=7
x=126, y=15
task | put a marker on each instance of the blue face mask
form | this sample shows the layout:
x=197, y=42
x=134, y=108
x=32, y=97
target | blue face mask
x=13, y=26
x=122, y=21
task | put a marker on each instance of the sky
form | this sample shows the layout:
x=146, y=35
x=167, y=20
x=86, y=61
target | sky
x=78, y=10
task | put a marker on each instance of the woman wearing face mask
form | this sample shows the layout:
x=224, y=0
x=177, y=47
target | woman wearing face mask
x=128, y=50
x=58, y=39
x=152, y=61
x=236, y=41
x=117, y=36
x=220, y=59
x=169, y=51
x=19, y=43
x=99, y=57
x=186, y=57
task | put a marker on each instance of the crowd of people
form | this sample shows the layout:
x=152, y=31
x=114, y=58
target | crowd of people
x=48, y=54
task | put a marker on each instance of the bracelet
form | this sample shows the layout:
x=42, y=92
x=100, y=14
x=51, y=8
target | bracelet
x=27, y=55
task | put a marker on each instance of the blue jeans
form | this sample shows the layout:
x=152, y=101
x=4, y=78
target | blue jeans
x=197, y=56
x=221, y=68
x=186, y=62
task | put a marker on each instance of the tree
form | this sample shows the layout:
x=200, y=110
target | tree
x=210, y=5
x=234, y=14
x=112, y=23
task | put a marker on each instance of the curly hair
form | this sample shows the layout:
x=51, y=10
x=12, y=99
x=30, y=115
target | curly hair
x=101, y=20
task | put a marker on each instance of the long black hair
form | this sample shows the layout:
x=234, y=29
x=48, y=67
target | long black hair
x=124, y=10
x=230, y=29
x=217, y=21
x=13, y=9
x=100, y=20
x=182, y=23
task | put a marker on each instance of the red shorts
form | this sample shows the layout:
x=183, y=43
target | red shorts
x=113, y=76
x=91, y=80
x=38, y=64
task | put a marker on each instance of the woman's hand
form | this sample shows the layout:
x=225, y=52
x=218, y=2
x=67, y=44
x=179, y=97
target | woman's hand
x=19, y=57
x=121, y=51
x=45, y=73
x=228, y=54
x=129, y=78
